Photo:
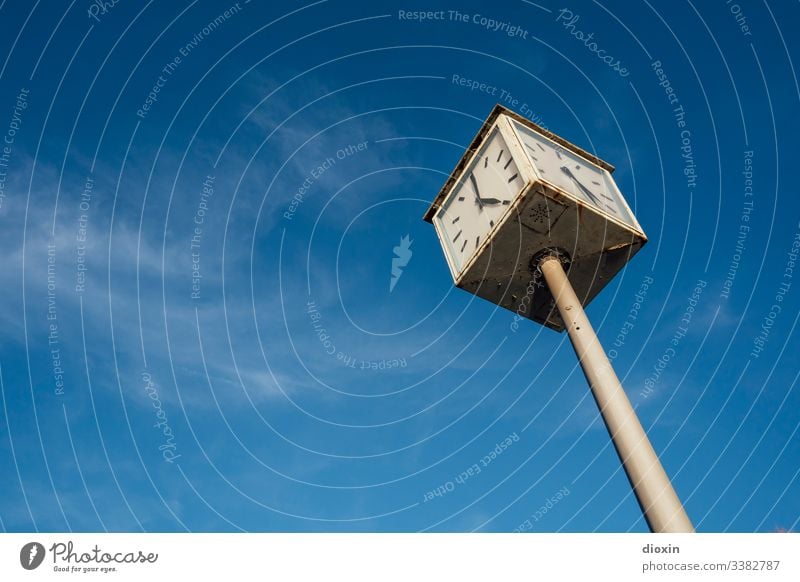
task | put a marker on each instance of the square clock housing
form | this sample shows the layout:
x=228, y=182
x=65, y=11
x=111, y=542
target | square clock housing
x=520, y=191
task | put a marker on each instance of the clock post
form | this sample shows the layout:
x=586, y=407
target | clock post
x=660, y=505
x=550, y=236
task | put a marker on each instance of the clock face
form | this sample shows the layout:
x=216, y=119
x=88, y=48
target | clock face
x=572, y=173
x=479, y=200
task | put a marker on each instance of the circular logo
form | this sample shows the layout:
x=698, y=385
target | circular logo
x=31, y=555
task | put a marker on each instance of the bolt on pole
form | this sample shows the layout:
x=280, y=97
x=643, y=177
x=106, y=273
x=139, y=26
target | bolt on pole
x=660, y=505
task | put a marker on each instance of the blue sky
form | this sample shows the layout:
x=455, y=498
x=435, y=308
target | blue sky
x=281, y=158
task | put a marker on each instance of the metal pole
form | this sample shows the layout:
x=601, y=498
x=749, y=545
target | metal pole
x=660, y=504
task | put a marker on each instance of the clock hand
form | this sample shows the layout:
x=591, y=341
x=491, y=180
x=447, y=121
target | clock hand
x=580, y=185
x=491, y=200
x=475, y=188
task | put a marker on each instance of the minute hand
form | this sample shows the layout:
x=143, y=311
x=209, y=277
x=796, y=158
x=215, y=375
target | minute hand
x=477, y=191
x=585, y=190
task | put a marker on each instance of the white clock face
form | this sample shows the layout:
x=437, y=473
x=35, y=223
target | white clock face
x=479, y=200
x=568, y=171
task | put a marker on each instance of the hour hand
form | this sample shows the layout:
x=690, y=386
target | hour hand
x=491, y=200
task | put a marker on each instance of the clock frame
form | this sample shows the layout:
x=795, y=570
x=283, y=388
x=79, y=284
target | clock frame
x=541, y=218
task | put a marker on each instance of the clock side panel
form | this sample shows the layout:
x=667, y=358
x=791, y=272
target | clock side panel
x=455, y=185
x=604, y=193
x=621, y=201
x=518, y=177
x=446, y=247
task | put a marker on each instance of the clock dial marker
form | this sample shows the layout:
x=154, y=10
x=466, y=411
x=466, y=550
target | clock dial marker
x=456, y=219
x=458, y=234
x=477, y=240
x=464, y=245
x=500, y=155
x=461, y=199
x=512, y=178
x=508, y=163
